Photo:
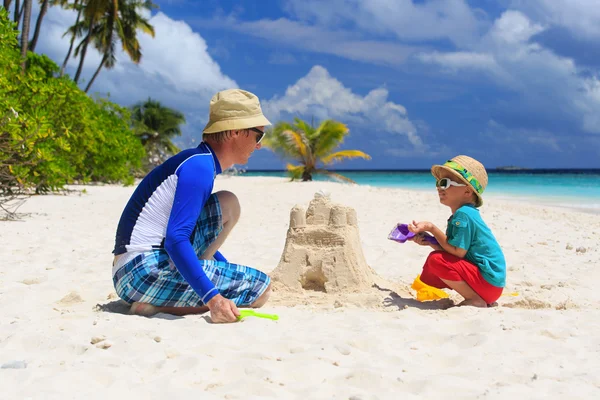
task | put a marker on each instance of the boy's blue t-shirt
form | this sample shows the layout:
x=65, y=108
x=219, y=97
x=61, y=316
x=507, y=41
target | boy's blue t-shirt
x=467, y=230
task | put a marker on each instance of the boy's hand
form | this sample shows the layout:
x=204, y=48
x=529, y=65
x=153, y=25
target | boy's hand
x=420, y=239
x=420, y=227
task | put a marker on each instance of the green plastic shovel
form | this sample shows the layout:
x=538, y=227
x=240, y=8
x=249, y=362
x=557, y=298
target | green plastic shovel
x=252, y=313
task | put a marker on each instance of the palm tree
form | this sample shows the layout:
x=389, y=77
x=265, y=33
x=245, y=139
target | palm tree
x=123, y=26
x=72, y=30
x=156, y=125
x=18, y=13
x=311, y=146
x=44, y=5
x=38, y=24
x=93, y=10
x=25, y=33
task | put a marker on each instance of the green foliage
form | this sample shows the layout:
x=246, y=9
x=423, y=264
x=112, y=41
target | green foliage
x=51, y=132
x=156, y=125
x=311, y=146
x=40, y=64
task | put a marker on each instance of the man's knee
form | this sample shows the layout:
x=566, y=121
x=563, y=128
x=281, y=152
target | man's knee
x=230, y=206
x=262, y=299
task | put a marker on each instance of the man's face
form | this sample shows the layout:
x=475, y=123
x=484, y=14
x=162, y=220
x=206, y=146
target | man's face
x=247, y=141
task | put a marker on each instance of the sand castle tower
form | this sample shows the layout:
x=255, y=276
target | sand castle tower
x=322, y=251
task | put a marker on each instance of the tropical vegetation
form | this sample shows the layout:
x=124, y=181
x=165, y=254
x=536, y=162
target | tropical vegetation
x=156, y=125
x=51, y=132
x=312, y=148
x=102, y=23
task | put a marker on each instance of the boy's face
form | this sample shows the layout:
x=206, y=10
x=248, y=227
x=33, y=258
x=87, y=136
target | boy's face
x=454, y=196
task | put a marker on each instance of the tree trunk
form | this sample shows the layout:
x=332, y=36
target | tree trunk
x=25, y=33
x=96, y=74
x=83, y=51
x=62, y=69
x=18, y=10
x=7, y=4
x=38, y=24
x=306, y=176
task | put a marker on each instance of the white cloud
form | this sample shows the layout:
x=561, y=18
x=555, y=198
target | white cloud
x=546, y=82
x=347, y=44
x=582, y=17
x=320, y=95
x=366, y=30
x=499, y=133
x=460, y=60
x=175, y=69
x=180, y=56
x=406, y=20
x=513, y=28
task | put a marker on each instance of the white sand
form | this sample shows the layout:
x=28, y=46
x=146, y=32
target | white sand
x=544, y=343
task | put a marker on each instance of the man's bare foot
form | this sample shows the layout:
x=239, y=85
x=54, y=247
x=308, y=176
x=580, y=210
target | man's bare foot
x=473, y=303
x=143, y=309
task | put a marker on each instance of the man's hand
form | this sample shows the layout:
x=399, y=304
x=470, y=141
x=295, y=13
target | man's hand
x=222, y=310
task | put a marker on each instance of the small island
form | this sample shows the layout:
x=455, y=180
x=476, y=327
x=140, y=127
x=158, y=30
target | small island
x=511, y=168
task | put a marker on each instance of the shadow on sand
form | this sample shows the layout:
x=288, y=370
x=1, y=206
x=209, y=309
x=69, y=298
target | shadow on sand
x=121, y=307
x=395, y=300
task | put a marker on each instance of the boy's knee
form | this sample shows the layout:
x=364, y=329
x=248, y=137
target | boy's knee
x=434, y=262
x=435, y=256
x=230, y=206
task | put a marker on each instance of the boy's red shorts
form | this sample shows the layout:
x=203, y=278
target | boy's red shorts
x=441, y=264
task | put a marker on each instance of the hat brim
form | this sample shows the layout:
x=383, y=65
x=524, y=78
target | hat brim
x=236, y=124
x=436, y=171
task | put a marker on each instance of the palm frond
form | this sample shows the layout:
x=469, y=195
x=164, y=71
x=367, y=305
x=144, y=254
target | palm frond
x=298, y=140
x=344, y=155
x=305, y=127
x=335, y=175
x=330, y=135
x=277, y=141
x=295, y=171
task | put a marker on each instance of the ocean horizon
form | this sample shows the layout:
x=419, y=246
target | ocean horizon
x=573, y=188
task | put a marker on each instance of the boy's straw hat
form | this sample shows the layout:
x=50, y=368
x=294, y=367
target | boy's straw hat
x=234, y=109
x=468, y=170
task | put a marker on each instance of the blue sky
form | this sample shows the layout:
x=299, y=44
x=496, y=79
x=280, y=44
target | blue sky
x=509, y=82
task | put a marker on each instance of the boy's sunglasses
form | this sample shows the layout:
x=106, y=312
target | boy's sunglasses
x=260, y=136
x=445, y=183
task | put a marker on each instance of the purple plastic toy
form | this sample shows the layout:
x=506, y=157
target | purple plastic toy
x=401, y=234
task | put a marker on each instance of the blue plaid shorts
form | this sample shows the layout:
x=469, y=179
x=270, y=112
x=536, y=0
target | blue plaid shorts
x=151, y=277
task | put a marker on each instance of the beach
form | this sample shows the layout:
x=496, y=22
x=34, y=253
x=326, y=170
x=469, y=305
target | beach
x=64, y=334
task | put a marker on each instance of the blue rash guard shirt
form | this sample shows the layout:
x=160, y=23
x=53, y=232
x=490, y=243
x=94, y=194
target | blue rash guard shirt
x=164, y=209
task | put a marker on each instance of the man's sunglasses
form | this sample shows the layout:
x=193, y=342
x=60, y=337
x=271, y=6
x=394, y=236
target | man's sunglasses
x=260, y=135
x=445, y=183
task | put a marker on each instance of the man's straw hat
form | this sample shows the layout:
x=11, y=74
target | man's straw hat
x=467, y=170
x=234, y=109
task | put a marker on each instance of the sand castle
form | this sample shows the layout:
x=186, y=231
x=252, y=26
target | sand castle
x=322, y=252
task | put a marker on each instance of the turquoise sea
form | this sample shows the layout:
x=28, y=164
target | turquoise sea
x=565, y=188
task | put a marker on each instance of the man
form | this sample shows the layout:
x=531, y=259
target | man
x=166, y=257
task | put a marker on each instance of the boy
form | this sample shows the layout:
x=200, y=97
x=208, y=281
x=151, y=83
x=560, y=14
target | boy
x=468, y=258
